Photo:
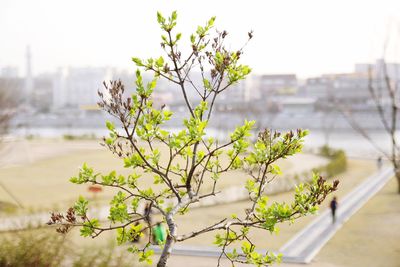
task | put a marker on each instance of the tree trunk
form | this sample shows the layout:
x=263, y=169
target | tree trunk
x=397, y=172
x=162, y=262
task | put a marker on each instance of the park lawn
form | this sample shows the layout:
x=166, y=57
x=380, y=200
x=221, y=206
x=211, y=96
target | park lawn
x=199, y=217
x=40, y=181
x=352, y=245
x=371, y=237
x=44, y=183
x=357, y=171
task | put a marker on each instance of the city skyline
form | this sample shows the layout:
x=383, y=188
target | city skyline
x=308, y=39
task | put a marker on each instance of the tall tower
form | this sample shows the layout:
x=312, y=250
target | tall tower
x=28, y=76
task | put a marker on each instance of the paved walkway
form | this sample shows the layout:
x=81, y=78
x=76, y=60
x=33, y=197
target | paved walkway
x=303, y=247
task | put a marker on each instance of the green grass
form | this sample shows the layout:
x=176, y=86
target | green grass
x=371, y=236
x=37, y=248
x=357, y=171
x=43, y=184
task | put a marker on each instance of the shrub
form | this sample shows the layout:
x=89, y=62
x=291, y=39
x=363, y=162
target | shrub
x=29, y=249
x=43, y=248
x=337, y=164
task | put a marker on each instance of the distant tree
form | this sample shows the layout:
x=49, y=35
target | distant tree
x=385, y=94
x=257, y=110
x=193, y=157
x=263, y=113
x=8, y=105
x=328, y=121
x=8, y=108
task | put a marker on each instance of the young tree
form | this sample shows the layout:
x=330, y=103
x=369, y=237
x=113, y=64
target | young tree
x=192, y=157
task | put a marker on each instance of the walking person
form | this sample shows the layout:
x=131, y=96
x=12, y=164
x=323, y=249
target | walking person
x=333, y=206
x=379, y=162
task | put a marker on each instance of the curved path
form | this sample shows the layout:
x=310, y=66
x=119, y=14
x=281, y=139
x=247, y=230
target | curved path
x=307, y=243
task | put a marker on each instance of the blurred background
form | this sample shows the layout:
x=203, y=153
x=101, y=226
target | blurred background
x=307, y=58
x=313, y=63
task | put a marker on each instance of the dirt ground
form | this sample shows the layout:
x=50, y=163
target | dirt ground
x=358, y=170
x=369, y=238
x=37, y=172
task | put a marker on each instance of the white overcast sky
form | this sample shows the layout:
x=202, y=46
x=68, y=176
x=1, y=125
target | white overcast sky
x=307, y=37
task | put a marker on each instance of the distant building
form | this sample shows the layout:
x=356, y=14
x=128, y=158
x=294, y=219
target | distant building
x=274, y=84
x=346, y=90
x=317, y=87
x=380, y=73
x=28, y=76
x=12, y=87
x=42, y=95
x=9, y=72
x=377, y=69
x=297, y=105
x=77, y=87
x=243, y=91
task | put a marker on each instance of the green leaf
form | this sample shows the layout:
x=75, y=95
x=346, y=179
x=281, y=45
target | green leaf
x=160, y=18
x=207, y=84
x=138, y=62
x=74, y=180
x=160, y=62
x=81, y=206
x=157, y=179
x=118, y=208
x=122, y=236
x=88, y=227
x=148, y=192
x=135, y=203
x=135, y=232
x=246, y=247
x=146, y=256
x=156, y=156
x=167, y=115
x=210, y=23
x=219, y=240
x=110, y=178
x=250, y=185
x=174, y=16
x=200, y=31
x=133, y=249
x=109, y=141
x=121, y=180
x=274, y=169
x=110, y=126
